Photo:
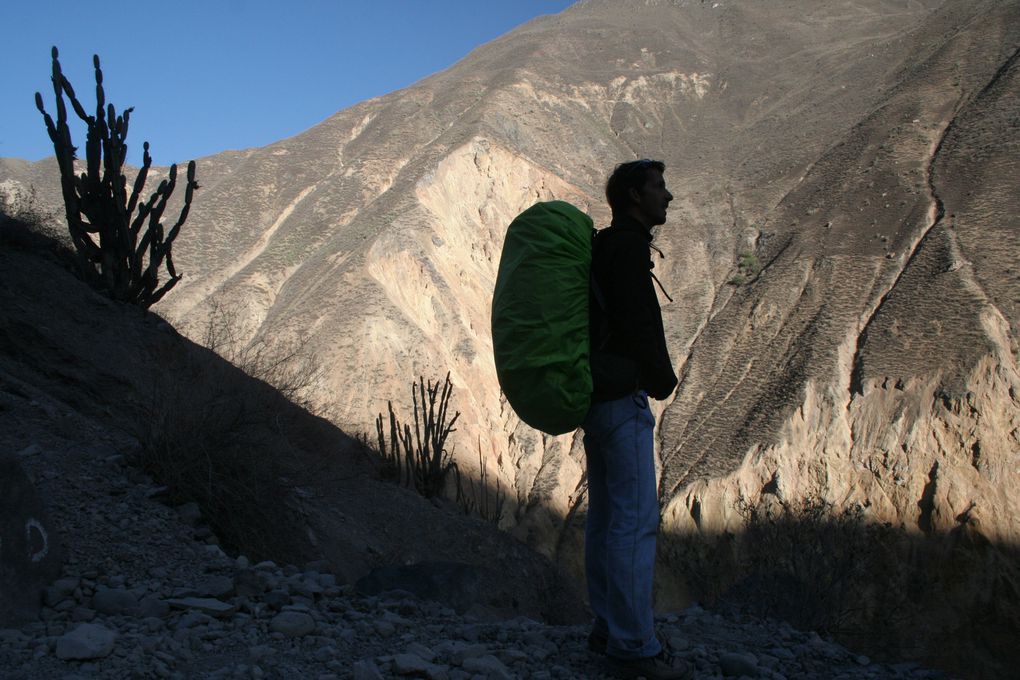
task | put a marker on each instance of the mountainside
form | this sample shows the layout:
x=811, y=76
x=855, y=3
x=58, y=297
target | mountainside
x=840, y=253
x=112, y=576
x=136, y=584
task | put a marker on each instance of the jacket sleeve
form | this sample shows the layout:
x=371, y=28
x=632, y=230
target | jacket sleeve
x=636, y=317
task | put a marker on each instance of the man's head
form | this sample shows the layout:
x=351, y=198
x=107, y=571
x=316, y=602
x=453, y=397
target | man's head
x=637, y=189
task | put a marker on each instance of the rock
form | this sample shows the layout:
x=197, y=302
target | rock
x=292, y=624
x=460, y=651
x=512, y=656
x=87, y=641
x=489, y=666
x=365, y=670
x=409, y=664
x=277, y=599
x=61, y=590
x=678, y=643
x=193, y=618
x=250, y=582
x=30, y=557
x=735, y=664
x=218, y=586
x=115, y=601
x=153, y=624
x=257, y=652
x=153, y=606
x=384, y=628
x=11, y=635
x=80, y=614
x=216, y=553
x=318, y=566
x=422, y=651
x=206, y=605
x=30, y=450
x=160, y=573
x=303, y=587
x=157, y=492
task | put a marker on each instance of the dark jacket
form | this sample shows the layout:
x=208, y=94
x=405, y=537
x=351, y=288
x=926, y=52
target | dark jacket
x=628, y=342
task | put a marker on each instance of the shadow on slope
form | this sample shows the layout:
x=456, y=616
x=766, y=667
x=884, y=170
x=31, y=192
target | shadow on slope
x=272, y=480
x=948, y=600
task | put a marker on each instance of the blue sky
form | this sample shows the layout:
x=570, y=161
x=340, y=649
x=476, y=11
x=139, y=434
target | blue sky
x=208, y=75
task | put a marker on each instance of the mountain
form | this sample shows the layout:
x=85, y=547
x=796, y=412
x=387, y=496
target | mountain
x=840, y=254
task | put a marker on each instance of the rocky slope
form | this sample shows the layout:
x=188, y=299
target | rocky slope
x=84, y=380
x=858, y=157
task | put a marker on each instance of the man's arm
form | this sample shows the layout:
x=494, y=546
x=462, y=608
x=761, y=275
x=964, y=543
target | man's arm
x=634, y=306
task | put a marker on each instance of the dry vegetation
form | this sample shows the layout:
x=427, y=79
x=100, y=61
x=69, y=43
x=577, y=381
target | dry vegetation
x=863, y=583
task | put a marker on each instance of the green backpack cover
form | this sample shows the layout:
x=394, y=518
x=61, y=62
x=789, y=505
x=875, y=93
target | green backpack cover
x=540, y=336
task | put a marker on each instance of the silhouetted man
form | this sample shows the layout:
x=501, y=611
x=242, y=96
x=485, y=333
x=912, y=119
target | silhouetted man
x=630, y=363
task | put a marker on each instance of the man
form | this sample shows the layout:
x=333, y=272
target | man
x=630, y=363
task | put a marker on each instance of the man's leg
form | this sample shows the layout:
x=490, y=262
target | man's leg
x=633, y=519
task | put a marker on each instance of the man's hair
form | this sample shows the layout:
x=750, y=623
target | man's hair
x=627, y=176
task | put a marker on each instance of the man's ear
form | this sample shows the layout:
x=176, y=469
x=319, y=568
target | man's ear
x=635, y=194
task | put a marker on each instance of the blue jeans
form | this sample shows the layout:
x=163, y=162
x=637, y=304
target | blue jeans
x=623, y=518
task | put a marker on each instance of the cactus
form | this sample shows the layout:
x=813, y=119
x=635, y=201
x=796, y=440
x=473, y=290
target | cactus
x=426, y=461
x=120, y=240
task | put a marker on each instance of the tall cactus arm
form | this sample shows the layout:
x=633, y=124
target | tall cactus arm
x=189, y=191
x=62, y=85
x=100, y=94
x=143, y=172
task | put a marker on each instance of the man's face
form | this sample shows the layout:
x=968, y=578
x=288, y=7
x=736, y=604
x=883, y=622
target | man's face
x=652, y=199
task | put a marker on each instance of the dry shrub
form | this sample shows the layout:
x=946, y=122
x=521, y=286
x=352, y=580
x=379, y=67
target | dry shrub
x=289, y=365
x=821, y=569
x=213, y=437
x=817, y=567
x=949, y=599
x=484, y=503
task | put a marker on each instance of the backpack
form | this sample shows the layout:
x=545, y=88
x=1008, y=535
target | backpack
x=540, y=322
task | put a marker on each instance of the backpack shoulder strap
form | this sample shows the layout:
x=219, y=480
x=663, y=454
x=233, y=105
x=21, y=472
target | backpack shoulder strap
x=596, y=292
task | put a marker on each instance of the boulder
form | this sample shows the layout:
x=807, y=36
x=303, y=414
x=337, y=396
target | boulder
x=292, y=624
x=30, y=554
x=115, y=601
x=87, y=641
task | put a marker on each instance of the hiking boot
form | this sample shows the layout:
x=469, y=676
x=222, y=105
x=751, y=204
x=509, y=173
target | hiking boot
x=663, y=666
x=597, y=642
